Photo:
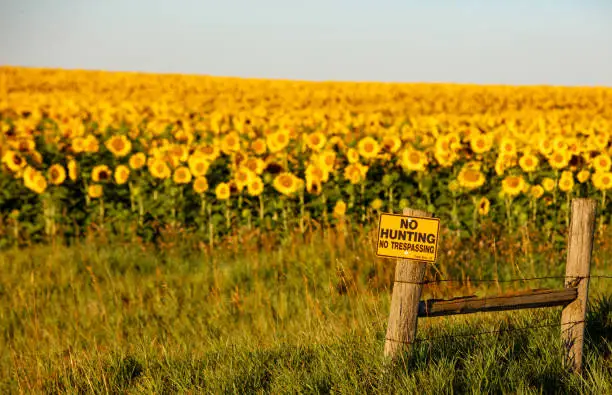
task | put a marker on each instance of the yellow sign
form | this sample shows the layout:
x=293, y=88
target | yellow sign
x=401, y=236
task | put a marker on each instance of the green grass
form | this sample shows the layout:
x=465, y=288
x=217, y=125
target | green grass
x=280, y=317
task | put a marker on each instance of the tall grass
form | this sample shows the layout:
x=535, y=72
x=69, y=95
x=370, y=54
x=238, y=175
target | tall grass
x=300, y=314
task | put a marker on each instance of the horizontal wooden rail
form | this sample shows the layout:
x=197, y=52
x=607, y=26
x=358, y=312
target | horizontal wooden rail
x=519, y=300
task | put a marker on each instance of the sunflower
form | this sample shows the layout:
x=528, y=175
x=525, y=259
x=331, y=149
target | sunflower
x=198, y=165
x=327, y=160
x=355, y=172
x=122, y=173
x=315, y=141
x=414, y=160
x=200, y=185
x=513, y=185
x=339, y=209
x=391, y=143
x=566, y=182
x=601, y=163
x=315, y=176
x=352, y=155
x=470, y=178
x=209, y=151
x=480, y=142
x=529, y=163
x=507, y=147
x=73, y=170
x=256, y=186
x=559, y=160
x=368, y=147
x=243, y=177
x=222, y=191
x=278, y=140
x=602, y=180
x=286, y=183
x=181, y=175
x=119, y=145
x=101, y=173
x=57, y=174
x=549, y=184
x=34, y=180
x=91, y=144
x=137, y=161
x=14, y=161
x=583, y=176
x=484, y=205
x=376, y=204
x=256, y=165
x=258, y=146
x=159, y=168
x=230, y=143
x=94, y=191
x=536, y=191
x=545, y=145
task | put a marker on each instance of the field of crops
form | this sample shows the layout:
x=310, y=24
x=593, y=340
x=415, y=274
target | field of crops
x=175, y=233
x=212, y=155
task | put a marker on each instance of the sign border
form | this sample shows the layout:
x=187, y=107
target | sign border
x=408, y=216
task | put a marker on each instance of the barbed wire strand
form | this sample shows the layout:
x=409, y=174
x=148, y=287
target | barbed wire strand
x=472, y=334
x=480, y=280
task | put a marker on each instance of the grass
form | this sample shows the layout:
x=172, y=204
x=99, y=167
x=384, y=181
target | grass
x=281, y=316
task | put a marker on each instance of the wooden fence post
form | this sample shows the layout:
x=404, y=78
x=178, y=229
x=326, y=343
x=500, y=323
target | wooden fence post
x=577, y=271
x=402, y=324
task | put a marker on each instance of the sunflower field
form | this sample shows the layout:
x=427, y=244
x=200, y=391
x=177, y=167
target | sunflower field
x=137, y=153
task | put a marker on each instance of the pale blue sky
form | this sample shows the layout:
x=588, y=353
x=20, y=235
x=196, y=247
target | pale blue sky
x=560, y=42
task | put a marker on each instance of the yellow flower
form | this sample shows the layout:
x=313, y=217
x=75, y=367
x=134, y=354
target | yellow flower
x=57, y=174
x=278, y=141
x=601, y=163
x=352, y=155
x=34, y=180
x=376, y=204
x=159, y=168
x=91, y=144
x=513, y=185
x=566, y=182
x=484, y=205
x=222, y=191
x=258, y=146
x=94, y=191
x=256, y=165
x=559, y=160
x=200, y=185
x=529, y=163
x=481, y=142
x=181, y=175
x=286, y=183
x=101, y=173
x=536, y=191
x=368, y=147
x=507, y=147
x=602, y=180
x=339, y=209
x=122, y=173
x=355, y=172
x=315, y=176
x=255, y=187
x=327, y=160
x=315, y=141
x=414, y=160
x=230, y=143
x=470, y=178
x=210, y=152
x=119, y=145
x=391, y=143
x=138, y=160
x=583, y=176
x=73, y=171
x=548, y=184
x=14, y=161
x=243, y=177
x=198, y=165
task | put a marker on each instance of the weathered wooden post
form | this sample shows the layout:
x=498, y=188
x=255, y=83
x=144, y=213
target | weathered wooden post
x=577, y=271
x=402, y=324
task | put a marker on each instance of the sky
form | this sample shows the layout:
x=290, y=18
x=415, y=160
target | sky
x=552, y=42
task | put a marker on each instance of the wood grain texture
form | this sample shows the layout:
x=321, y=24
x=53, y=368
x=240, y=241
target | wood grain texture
x=577, y=271
x=402, y=324
x=520, y=300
